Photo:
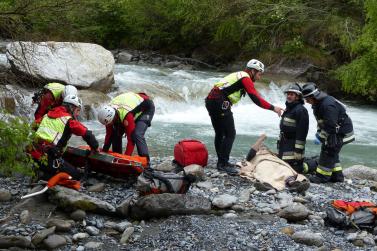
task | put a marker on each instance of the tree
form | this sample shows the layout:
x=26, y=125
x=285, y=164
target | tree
x=359, y=76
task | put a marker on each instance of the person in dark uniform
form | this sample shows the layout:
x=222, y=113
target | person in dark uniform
x=294, y=126
x=335, y=129
x=225, y=93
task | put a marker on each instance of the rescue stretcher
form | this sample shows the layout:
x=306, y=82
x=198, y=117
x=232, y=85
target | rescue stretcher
x=109, y=163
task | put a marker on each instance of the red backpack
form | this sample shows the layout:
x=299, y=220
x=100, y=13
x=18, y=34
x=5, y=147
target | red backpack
x=190, y=151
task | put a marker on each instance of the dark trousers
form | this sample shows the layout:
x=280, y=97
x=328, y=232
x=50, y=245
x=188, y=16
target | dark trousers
x=223, y=124
x=50, y=170
x=141, y=126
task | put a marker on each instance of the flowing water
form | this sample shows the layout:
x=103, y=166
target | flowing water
x=180, y=113
x=183, y=115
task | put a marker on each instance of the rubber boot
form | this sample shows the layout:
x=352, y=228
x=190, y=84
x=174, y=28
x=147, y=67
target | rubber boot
x=319, y=178
x=337, y=176
x=228, y=168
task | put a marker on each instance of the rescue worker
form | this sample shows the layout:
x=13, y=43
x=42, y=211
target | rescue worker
x=335, y=129
x=294, y=126
x=129, y=113
x=225, y=93
x=53, y=134
x=51, y=96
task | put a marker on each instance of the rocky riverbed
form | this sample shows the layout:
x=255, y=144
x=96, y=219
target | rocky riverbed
x=222, y=213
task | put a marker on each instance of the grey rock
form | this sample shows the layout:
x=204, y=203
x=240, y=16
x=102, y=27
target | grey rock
x=80, y=64
x=25, y=217
x=351, y=237
x=41, y=235
x=61, y=225
x=78, y=215
x=80, y=248
x=80, y=236
x=5, y=195
x=172, y=64
x=110, y=224
x=123, y=208
x=92, y=230
x=230, y=215
x=163, y=205
x=360, y=172
x=271, y=192
x=14, y=241
x=126, y=235
x=294, y=212
x=120, y=227
x=72, y=199
x=165, y=166
x=369, y=241
x=92, y=245
x=224, y=201
x=205, y=184
x=54, y=241
x=99, y=187
x=308, y=238
x=244, y=195
x=124, y=57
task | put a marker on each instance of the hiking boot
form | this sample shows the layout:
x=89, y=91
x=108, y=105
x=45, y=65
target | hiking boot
x=337, y=177
x=230, y=169
x=259, y=142
x=319, y=178
x=299, y=186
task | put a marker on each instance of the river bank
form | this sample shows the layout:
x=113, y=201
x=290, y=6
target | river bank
x=249, y=218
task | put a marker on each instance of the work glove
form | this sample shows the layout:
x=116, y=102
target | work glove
x=317, y=139
x=333, y=141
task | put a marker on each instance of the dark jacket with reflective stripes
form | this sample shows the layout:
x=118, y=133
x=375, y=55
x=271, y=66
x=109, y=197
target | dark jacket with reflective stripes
x=332, y=119
x=294, y=126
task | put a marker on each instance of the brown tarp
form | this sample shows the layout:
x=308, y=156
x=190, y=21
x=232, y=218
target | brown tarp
x=267, y=167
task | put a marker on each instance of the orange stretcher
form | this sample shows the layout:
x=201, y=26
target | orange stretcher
x=109, y=163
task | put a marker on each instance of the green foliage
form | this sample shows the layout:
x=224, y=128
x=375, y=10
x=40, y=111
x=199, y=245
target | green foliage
x=359, y=76
x=15, y=136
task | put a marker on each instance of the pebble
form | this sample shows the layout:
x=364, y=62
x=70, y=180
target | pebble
x=78, y=215
x=92, y=230
x=126, y=235
x=93, y=245
x=5, y=195
x=120, y=227
x=230, y=215
x=80, y=236
x=25, y=217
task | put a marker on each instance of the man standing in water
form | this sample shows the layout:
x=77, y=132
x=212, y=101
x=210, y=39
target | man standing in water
x=335, y=129
x=225, y=93
x=294, y=126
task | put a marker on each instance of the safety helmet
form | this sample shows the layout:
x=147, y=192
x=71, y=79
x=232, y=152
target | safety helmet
x=106, y=114
x=310, y=90
x=73, y=100
x=296, y=88
x=69, y=90
x=255, y=64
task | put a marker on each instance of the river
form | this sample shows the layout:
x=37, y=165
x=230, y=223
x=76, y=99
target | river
x=180, y=113
x=186, y=117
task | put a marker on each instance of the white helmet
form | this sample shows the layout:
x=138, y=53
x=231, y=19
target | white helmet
x=69, y=90
x=255, y=64
x=106, y=114
x=73, y=100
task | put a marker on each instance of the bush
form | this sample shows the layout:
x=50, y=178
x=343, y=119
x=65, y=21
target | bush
x=15, y=136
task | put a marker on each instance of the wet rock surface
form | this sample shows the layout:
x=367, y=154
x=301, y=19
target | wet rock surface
x=252, y=221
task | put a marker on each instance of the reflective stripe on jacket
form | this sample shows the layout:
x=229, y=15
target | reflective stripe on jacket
x=230, y=80
x=51, y=129
x=126, y=103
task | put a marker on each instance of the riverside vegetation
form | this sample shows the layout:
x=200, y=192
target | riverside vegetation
x=338, y=36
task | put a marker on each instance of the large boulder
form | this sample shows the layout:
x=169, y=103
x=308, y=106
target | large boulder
x=80, y=64
x=360, y=172
x=70, y=199
x=163, y=205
